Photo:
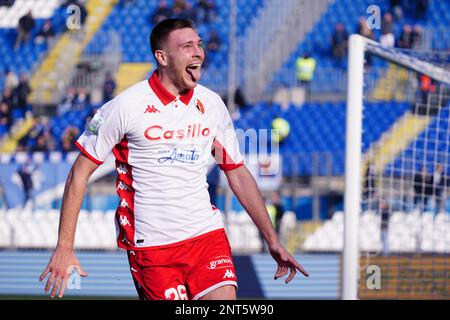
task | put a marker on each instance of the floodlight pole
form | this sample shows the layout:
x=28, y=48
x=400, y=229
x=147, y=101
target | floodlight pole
x=352, y=207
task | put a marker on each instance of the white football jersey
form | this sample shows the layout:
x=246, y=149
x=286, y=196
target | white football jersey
x=162, y=145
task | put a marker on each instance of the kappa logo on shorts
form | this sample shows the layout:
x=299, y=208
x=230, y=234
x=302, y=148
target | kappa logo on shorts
x=220, y=262
x=229, y=274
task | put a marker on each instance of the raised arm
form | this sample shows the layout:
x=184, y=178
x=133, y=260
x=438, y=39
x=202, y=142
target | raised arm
x=244, y=187
x=63, y=259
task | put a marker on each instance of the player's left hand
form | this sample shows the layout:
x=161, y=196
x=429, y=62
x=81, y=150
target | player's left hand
x=285, y=263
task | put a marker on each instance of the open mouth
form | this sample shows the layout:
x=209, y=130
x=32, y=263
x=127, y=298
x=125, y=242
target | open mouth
x=193, y=70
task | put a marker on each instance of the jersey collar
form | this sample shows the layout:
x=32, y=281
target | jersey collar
x=165, y=96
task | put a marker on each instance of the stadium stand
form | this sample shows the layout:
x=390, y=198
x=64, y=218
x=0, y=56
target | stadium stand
x=408, y=232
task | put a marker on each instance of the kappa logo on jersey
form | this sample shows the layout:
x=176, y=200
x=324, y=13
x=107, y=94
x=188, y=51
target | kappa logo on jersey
x=123, y=220
x=220, y=262
x=122, y=186
x=229, y=274
x=122, y=169
x=199, y=106
x=151, y=109
x=124, y=203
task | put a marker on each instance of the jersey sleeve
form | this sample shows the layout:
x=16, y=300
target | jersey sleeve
x=104, y=131
x=225, y=147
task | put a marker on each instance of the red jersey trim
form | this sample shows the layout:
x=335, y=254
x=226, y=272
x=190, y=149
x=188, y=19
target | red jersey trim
x=182, y=242
x=229, y=167
x=79, y=146
x=125, y=218
x=223, y=159
x=165, y=96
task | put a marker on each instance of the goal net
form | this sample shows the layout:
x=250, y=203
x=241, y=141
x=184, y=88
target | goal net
x=397, y=221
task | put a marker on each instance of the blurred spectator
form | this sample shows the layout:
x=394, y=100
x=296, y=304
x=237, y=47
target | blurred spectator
x=423, y=188
x=163, y=12
x=8, y=97
x=406, y=38
x=68, y=139
x=305, y=66
x=25, y=172
x=108, y=87
x=387, y=38
x=41, y=127
x=26, y=24
x=183, y=10
x=205, y=10
x=7, y=3
x=213, y=45
x=179, y=6
x=44, y=143
x=427, y=86
x=363, y=29
x=276, y=210
x=439, y=184
x=369, y=187
x=5, y=114
x=46, y=33
x=416, y=36
x=20, y=94
x=397, y=9
x=11, y=80
x=67, y=102
x=82, y=100
x=240, y=103
x=339, y=42
x=239, y=99
x=384, y=212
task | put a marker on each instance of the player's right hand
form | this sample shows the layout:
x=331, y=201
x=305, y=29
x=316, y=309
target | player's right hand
x=61, y=264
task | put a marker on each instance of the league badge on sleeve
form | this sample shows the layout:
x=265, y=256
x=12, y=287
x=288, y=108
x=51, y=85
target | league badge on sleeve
x=95, y=124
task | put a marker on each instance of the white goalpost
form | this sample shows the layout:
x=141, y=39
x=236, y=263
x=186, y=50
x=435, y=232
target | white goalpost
x=354, y=157
x=355, y=88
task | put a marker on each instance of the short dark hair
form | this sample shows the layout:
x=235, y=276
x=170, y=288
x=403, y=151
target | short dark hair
x=162, y=30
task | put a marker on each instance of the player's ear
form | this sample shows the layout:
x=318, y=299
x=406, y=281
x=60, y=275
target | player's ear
x=161, y=57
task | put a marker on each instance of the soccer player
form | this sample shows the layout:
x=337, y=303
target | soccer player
x=162, y=132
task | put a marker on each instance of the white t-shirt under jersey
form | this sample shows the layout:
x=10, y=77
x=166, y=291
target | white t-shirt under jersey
x=162, y=145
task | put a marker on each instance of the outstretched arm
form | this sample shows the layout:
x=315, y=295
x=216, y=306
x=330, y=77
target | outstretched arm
x=244, y=187
x=63, y=259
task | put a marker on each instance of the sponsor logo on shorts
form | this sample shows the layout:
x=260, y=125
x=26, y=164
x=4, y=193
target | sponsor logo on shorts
x=220, y=262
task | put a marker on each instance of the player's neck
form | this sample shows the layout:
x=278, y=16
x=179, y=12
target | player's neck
x=168, y=84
